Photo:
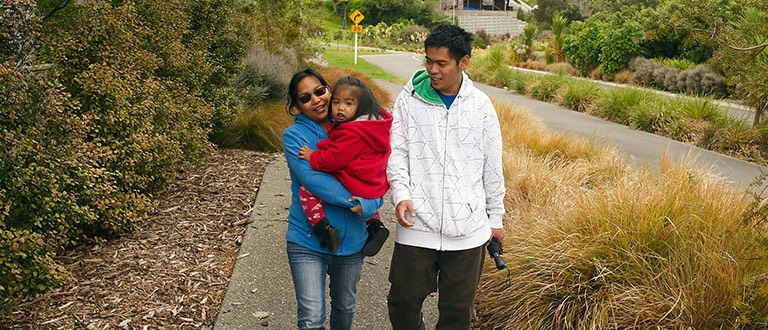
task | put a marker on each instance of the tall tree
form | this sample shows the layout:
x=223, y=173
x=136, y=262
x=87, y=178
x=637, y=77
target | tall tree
x=744, y=57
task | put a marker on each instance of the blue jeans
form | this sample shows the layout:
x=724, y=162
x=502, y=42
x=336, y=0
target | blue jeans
x=309, y=269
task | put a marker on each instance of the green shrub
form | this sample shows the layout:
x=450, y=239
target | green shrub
x=582, y=45
x=735, y=138
x=516, y=80
x=652, y=117
x=605, y=40
x=134, y=89
x=481, y=39
x=496, y=57
x=698, y=108
x=546, y=88
x=579, y=95
x=680, y=64
x=521, y=15
x=618, y=44
x=618, y=104
x=26, y=266
x=501, y=76
x=55, y=193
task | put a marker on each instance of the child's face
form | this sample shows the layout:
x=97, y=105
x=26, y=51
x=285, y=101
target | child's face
x=343, y=104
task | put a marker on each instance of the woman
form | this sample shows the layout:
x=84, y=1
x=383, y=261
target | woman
x=309, y=257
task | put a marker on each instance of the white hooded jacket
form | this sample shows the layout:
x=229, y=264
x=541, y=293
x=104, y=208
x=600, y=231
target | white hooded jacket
x=448, y=162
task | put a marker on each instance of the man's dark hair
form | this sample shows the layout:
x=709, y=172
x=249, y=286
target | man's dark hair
x=457, y=40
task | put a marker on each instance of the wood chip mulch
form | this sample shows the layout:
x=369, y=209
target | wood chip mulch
x=170, y=274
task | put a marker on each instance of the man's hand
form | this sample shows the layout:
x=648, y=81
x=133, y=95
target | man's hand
x=498, y=233
x=305, y=152
x=401, y=208
x=357, y=209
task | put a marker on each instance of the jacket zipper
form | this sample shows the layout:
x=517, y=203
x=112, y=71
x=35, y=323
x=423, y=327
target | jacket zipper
x=442, y=190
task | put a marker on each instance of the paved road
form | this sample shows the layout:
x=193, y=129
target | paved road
x=641, y=148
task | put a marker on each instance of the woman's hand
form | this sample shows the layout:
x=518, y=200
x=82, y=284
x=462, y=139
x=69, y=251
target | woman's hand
x=305, y=152
x=357, y=209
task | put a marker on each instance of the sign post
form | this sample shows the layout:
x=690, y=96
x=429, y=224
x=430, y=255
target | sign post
x=356, y=16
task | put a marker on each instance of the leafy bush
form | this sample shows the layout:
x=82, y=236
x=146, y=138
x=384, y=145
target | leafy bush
x=55, y=191
x=127, y=91
x=618, y=44
x=607, y=41
x=701, y=81
x=581, y=45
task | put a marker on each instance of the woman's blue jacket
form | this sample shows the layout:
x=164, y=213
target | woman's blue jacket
x=351, y=227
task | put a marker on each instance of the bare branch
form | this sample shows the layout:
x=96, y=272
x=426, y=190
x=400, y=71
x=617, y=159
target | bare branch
x=760, y=47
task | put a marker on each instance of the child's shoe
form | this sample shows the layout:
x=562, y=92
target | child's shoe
x=377, y=235
x=328, y=235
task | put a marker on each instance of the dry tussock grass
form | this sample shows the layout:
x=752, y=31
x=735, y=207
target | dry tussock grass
x=597, y=244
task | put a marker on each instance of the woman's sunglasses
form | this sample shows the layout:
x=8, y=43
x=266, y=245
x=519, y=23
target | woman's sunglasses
x=320, y=91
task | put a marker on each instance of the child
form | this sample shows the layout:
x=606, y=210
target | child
x=356, y=153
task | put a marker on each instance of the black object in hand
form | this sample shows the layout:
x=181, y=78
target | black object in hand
x=495, y=250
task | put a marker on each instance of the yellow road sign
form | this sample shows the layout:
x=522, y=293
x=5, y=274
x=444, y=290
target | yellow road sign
x=356, y=16
x=357, y=28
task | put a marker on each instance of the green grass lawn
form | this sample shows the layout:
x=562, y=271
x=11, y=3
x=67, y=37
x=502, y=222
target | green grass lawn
x=345, y=58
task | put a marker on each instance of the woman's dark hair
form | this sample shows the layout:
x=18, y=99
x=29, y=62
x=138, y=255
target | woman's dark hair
x=366, y=103
x=293, y=87
x=457, y=40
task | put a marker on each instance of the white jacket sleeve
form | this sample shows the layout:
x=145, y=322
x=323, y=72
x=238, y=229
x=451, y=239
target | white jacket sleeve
x=493, y=172
x=398, y=168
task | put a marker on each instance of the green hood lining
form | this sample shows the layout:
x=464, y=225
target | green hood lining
x=423, y=87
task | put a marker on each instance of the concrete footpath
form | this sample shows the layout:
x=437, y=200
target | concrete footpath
x=260, y=292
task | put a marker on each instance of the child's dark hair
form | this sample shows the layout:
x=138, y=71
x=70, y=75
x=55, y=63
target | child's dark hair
x=366, y=103
x=457, y=40
x=293, y=86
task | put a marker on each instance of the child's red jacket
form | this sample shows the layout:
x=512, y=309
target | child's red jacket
x=356, y=153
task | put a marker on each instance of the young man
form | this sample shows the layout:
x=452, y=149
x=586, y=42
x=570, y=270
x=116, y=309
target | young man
x=447, y=185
